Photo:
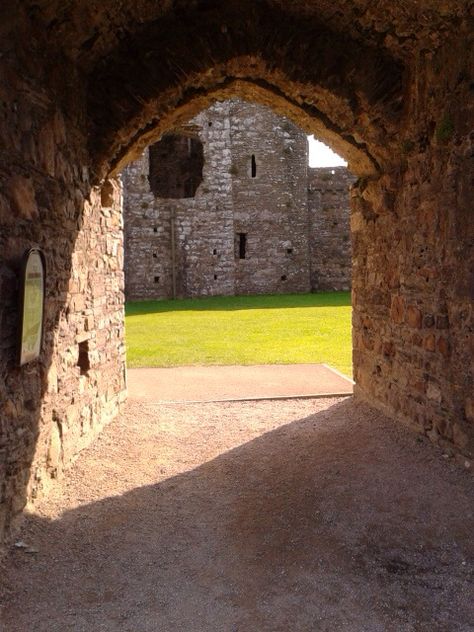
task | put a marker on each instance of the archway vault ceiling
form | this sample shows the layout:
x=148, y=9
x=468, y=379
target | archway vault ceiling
x=88, y=29
x=338, y=67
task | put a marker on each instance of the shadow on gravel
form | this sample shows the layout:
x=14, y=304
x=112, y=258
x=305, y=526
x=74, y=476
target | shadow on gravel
x=314, y=526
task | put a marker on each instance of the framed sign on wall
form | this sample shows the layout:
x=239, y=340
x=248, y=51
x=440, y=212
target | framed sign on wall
x=31, y=305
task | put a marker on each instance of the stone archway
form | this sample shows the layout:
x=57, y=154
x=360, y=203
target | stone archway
x=86, y=87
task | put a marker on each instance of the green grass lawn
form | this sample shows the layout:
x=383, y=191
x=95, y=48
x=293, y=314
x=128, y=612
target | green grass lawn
x=270, y=329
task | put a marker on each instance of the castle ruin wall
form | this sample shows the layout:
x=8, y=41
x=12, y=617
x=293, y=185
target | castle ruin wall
x=329, y=227
x=256, y=224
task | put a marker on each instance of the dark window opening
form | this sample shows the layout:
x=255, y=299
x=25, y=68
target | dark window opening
x=83, y=361
x=190, y=187
x=254, y=166
x=155, y=229
x=157, y=279
x=176, y=163
x=214, y=252
x=283, y=277
x=289, y=251
x=215, y=277
x=155, y=256
x=210, y=123
x=242, y=245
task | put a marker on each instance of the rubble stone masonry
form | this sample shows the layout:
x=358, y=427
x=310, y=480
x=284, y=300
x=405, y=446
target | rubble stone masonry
x=53, y=407
x=329, y=228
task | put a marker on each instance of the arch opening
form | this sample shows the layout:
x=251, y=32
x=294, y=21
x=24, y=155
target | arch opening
x=390, y=92
x=287, y=223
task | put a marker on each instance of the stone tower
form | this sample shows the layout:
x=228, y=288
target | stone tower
x=224, y=205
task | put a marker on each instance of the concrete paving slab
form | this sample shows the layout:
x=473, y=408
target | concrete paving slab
x=230, y=383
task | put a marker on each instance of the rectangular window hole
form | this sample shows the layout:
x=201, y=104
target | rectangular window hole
x=155, y=256
x=283, y=277
x=214, y=252
x=242, y=245
x=253, y=166
x=215, y=277
x=289, y=251
x=157, y=279
x=83, y=361
x=155, y=229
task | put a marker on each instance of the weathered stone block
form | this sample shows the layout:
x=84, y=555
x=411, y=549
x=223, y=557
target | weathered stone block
x=443, y=346
x=22, y=196
x=397, y=309
x=429, y=342
x=413, y=317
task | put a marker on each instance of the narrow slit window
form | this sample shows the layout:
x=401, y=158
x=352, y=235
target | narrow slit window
x=242, y=245
x=156, y=279
x=253, y=166
x=83, y=361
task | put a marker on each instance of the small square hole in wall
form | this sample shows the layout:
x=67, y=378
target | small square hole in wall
x=283, y=277
x=289, y=251
x=155, y=229
x=215, y=277
x=83, y=361
x=214, y=252
x=155, y=256
x=157, y=279
x=210, y=123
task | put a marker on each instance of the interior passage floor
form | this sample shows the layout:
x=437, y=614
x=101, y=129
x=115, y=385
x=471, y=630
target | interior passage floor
x=289, y=516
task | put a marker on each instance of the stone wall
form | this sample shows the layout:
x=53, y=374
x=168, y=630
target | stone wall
x=413, y=258
x=270, y=208
x=255, y=183
x=86, y=379
x=329, y=232
x=197, y=232
x=51, y=408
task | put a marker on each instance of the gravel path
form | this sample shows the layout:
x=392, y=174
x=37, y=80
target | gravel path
x=313, y=515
